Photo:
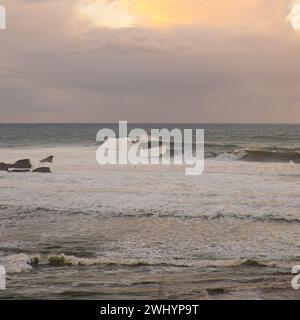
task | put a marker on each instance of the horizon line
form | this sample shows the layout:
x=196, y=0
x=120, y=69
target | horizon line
x=151, y=122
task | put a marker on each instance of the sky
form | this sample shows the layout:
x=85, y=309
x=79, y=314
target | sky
x=150, y=61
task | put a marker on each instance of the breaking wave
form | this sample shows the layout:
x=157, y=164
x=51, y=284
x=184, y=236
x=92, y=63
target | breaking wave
x=20, y=263
x=142, y=214
x=260, y=156
x=270, y=156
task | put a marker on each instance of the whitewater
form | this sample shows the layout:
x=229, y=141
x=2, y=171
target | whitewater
x=90, y=231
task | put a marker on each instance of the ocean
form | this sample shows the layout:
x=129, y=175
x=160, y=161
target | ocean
x=87, y=231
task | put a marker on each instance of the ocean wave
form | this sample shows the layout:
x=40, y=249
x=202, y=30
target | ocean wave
x=144, y=214
x=263, y=218
x=18, y=263
x=66, y=260
x=252, y=155
x=269, y=156
x=69, y=260
x=25, y=263
x=267, y=218
x=230, y=152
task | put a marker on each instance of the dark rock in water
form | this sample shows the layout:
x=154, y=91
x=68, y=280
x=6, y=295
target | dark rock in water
x=58, y=261
x=215, y=291
x=42, y=170
x=252, y=263
x=3, y=166
x=19, y=170
x=34, y=262
x=22, y=164
x=48, y=159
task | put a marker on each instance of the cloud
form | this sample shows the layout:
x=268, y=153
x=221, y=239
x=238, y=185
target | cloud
x=294, y=15
x=233, y=66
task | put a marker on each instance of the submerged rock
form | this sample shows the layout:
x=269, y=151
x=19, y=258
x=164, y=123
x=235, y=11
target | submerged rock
x=253, y=263
x=48, y=159
x=34, y=261
x=22, y=164
x=58, y=261
x=42, y=170
x=215, y=291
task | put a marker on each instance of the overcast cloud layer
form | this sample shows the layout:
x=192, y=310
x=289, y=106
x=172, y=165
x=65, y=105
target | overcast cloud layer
x=222, y=61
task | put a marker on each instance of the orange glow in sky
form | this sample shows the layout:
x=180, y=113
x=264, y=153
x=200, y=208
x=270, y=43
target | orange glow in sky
x=169, y=13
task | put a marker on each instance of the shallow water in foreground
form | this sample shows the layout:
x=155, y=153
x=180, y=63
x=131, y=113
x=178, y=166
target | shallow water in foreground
x=152, y=282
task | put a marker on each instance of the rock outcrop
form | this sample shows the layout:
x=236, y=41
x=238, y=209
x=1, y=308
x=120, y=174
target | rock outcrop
x=42, y=170
x=3, y=166
x=25, y=165
x=48, y=159
x=22, y=164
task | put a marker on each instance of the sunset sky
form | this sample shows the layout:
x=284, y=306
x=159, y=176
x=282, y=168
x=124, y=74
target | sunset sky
x=150, y=61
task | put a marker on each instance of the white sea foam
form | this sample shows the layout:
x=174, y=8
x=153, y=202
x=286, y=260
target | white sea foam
x=149, y=214
x=68, y=260
x=17, y=263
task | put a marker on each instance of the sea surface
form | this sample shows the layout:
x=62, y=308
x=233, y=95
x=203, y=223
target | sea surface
x=87, y=231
